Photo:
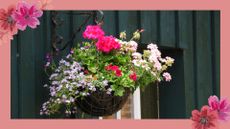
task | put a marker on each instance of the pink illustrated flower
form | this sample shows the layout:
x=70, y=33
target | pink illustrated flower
x=221, y=106
x=93, y=32
x=27, y=15
x=107, y=44
x=167, y=76
x=133, y=76
x=7, y=23
x=205, y=119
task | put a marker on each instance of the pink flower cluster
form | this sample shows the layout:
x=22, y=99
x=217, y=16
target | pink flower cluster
x=93, y=32
x=104, y=43
x=107, y=44
x=208, y=117
x=18, y=17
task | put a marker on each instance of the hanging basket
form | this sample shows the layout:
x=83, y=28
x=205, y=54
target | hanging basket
x=101, y=104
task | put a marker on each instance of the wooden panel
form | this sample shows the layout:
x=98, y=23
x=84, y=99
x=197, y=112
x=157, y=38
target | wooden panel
x=203, y=57
x=149, y=24
x=216, y=51
x=128, y=21
x=186, y=40
x=149, y=94
x=167, y=29
x=27, y=74
x=14, y=79
x=111, y=23
x=65, y=30
x=76, y=22
x=172, y=96
x=41, y=44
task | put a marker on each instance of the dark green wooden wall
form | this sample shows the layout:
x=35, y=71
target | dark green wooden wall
x=191, y=37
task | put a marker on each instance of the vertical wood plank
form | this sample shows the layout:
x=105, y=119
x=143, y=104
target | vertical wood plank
x=77, y=20
x=203, y=57
x=110, y=23
x=167, y=29
x=172, y=95
x=27, y=74
x=14, y=79
x=128, y=21
x=65, y=30
x=216, y=51
x=41, y=43
x=149, y=24
x=186, y=40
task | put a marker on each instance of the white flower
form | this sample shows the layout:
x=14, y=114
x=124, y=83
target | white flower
x=68, y=56
x=169, y=60
x=136, y=62
x=45, y=85
x=55, y=83
x=53, y=93
x=47, y=64
x=71, y=99
x=137, y=55
x=52, y=76
x=152, y=58
x=105, y=82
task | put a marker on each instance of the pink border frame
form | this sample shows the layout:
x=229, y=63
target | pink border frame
x=7, y=123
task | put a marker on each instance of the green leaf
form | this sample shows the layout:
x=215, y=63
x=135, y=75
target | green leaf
x=92, y=68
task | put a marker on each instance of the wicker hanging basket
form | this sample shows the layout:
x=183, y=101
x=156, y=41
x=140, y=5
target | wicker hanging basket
x=101, y=104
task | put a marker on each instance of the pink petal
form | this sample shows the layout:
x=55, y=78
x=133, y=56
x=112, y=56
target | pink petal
x=21, y=26
x=31, y=10
x=223, y=116
x=223, y=104
x=213, y=99
x=33, y=22
x=37, y=13
x=214, y=105
x=195, y=115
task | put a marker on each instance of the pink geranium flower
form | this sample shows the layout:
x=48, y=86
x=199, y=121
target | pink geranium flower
x=114, y=68
x=7, y=23
x=221, y=106
x=27, y=15
x=133, y=76
x=107, y=44
x=167, y=76
x=204, y=119
x=93, y=32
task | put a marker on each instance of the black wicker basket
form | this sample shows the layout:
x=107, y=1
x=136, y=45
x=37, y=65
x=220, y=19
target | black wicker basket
x=101, y=104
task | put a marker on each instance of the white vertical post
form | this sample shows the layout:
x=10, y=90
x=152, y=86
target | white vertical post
x=118, y=115
x=136, y=112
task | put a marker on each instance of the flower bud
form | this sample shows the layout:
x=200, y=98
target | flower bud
x=136, y=35
x=123, y=35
